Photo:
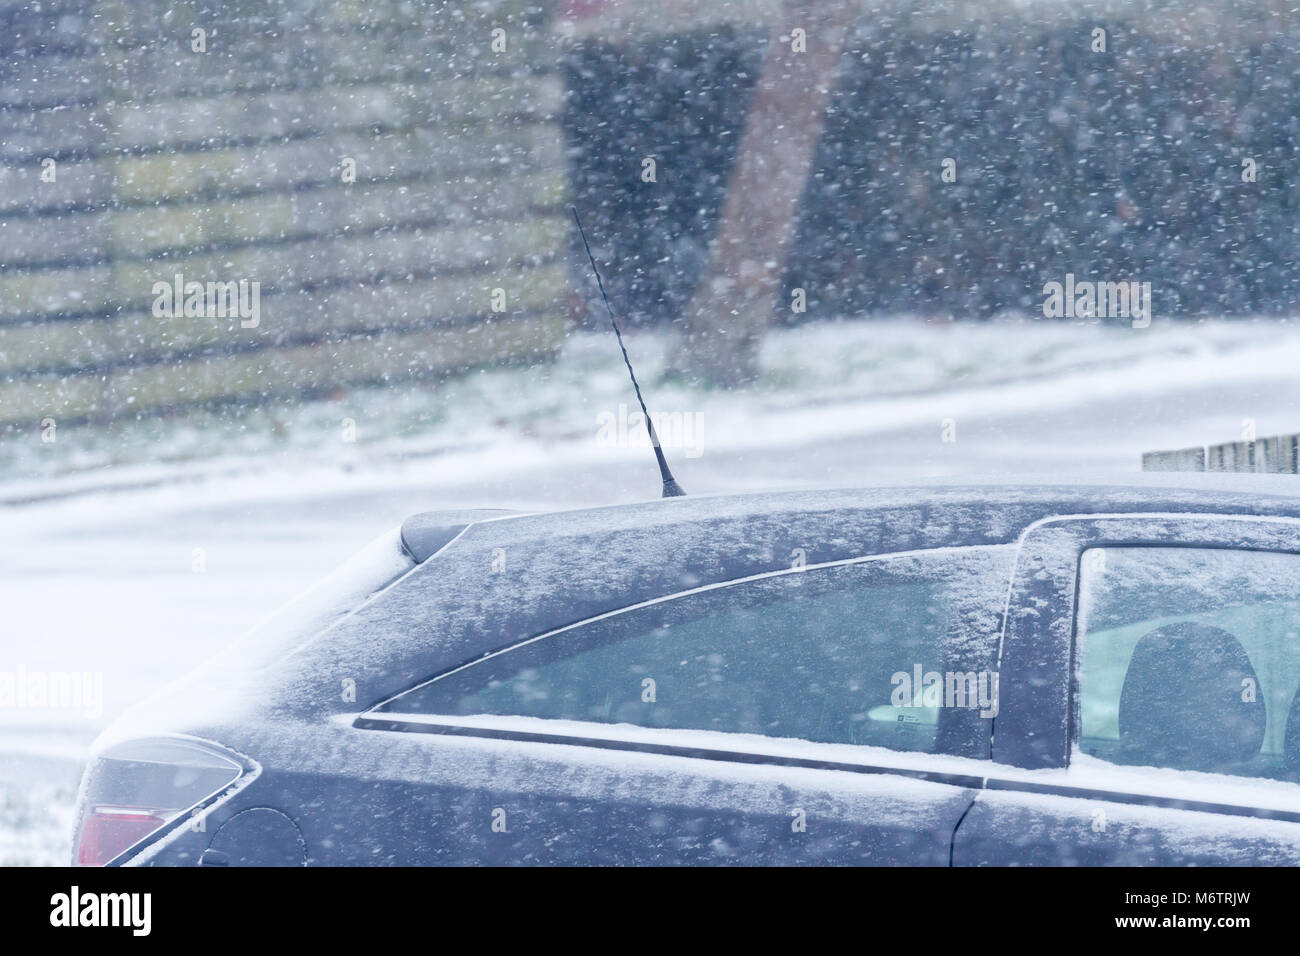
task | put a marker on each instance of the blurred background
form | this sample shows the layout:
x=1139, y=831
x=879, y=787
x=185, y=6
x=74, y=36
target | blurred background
x=826, y=227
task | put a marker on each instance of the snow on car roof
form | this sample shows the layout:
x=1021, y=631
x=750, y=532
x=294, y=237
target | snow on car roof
x=1102, y=490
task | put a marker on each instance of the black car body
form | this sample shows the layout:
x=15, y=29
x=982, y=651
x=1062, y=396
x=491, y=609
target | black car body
x=750, y=679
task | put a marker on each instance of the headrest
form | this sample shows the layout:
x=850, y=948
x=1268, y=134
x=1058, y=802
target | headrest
x=1190, y=701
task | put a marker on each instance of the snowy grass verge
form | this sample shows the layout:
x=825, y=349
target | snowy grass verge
x=817, y=380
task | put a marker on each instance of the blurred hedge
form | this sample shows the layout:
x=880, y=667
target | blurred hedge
x=1117, y=165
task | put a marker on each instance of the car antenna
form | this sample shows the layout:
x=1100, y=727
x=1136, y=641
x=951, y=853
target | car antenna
x=671, y=488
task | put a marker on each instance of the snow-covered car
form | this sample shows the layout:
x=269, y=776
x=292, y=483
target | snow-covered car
x=991, y=674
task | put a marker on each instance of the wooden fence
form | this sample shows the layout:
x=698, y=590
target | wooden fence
x=380, y=167
x=1276, y=455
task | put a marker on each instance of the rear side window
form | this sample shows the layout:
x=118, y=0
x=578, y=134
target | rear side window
x=895, y=651
x=1190, y=659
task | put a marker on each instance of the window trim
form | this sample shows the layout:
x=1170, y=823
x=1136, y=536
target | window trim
x=1075, y=790
x=766, y=755
x=971, y=773
x=375, y=719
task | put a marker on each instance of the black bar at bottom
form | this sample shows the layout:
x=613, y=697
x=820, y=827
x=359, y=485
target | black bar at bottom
x=377, y=907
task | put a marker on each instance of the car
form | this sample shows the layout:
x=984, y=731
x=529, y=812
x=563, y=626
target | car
x=1094, y=671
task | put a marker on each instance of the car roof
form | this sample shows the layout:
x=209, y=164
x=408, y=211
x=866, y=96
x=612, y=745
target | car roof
x=1031, y=497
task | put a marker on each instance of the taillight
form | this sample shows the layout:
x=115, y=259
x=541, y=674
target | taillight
x=132, y=791
x=106, y=831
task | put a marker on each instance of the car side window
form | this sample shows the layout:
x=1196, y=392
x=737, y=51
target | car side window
x=896, y=651
x=1189, y=658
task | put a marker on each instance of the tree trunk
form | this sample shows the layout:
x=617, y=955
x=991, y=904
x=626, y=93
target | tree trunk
x=734, y=301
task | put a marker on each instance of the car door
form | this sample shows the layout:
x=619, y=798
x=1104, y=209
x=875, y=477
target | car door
x=1149, y=715
x=790, y=717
